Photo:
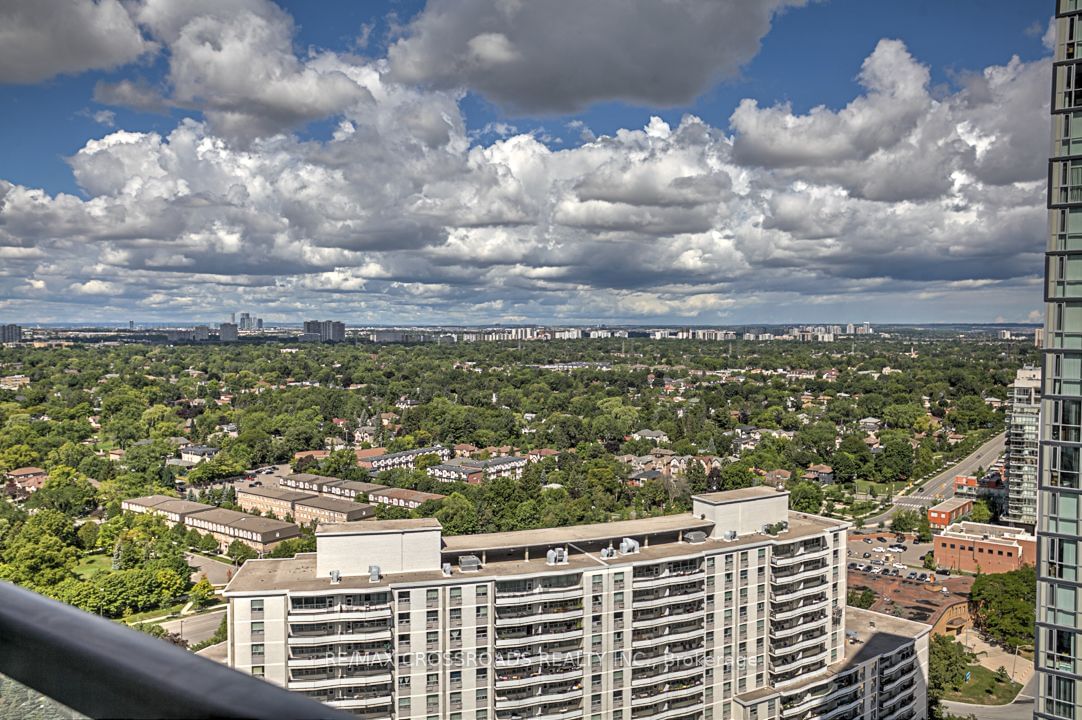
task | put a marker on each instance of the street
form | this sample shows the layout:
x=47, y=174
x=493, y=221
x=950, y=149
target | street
x=941, y=486
x=195, y=628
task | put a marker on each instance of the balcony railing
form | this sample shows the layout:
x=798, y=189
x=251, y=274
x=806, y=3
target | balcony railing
x=101, y=669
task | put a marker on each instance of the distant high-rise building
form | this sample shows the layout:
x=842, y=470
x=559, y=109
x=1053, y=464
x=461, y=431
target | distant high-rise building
x=227, y=332
x=233, y=317
x=327, y=330
x=11, y=333
x=259, y=323
x=246, y=322
x=131, y=325
x=201, y=333
x=1059, y=623
x=1020, y=468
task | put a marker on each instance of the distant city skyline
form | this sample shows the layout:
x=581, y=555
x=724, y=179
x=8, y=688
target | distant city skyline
x=760, y=161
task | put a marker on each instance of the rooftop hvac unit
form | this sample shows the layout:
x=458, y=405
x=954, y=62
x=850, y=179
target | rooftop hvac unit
x=373, y=573
x=336, y=577
x=784, y=525
x=695, y=537
x=629, y=546
x=556, y=556
x=447, y=569
x=729, y=535
x=469, y=563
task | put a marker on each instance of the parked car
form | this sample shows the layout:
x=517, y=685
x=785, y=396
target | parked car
x=878, y=549
x=900, y=566
x=868, y=540
x=922, y=577
x=943, y=571
x=881, y=539
x=912, y=575
x=852, y=566
x=866, y=555
x=877, y=561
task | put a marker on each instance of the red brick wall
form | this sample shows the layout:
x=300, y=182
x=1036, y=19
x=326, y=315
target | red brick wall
x=990, y=557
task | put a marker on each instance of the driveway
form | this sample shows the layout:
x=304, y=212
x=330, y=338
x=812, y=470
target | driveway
x=218, y=573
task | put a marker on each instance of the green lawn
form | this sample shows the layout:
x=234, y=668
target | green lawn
x=984, y=688
x=91, y=565
x=167, y=610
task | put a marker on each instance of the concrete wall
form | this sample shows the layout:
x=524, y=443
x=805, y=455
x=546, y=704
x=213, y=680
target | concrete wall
x=744, y=516
x=394, y=551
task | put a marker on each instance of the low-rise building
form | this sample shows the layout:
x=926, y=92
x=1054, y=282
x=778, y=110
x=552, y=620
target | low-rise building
x=980, y=547
x=198, y=453
x=276, y=500
x=323, y=509
x=175, y=510
x=261, y=534
x=28, y=479
x=654, y=436
x=402, y=497
x=823, y=474
x=473, y=471
x=404, y=459
x=948, y=512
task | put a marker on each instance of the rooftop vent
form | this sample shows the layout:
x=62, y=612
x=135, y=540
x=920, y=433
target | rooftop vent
x=556, y=556
x=729, y=535
x=695, y=537
x=628, y=546
x=373, y=573
x=609, y=552
x=336, y=577
x=447, y=569
x=469, y=563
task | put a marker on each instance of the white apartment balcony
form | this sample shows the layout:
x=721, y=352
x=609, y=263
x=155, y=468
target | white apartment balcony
x=333, y=681
x=342, y=660
x=338, y=613
x=691, y=707
x=538, y=594
x=529, y=700
x=802, y=660
x=679, y=671
x=667, y=578
x=785, y=612
x=533, y=677
x=795, y=591
x=679, y=633
x=523, y=636
x=839, y=709
x=668, y=656
x=556, y=713
x=898, y=708
x=359, y=702
x=811, y=701
x=670, y=596
x=566, y=651
x=802, y=623
x=537, y=614
x=807, y=570
x=811, y=639
x=804, y=553
x=886, y=686
x=667, y=692
x=373, y=635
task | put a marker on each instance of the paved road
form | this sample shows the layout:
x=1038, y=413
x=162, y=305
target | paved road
x=1020, y=709
x=195, y=628
x=941, y=486
x=217, y=572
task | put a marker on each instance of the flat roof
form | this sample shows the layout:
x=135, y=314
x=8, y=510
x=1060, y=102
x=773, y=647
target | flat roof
x=748, y=493
x=950, y=504
x=574, y=533
x=298, y=574
x=379, y=526
x=876, y=634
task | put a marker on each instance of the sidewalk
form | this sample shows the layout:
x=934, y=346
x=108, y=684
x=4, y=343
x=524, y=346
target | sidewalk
x=1019, y=668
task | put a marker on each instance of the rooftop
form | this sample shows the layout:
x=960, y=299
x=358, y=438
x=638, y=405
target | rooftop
x=274, y=493
x=326, y=502
x=910, y=600
x=380, y=526
x=981, y=531
x=741, y=494
x=873, y=633
x=950, y=504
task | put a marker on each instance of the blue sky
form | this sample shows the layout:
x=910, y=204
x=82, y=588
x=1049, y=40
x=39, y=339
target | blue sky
x=808, y=56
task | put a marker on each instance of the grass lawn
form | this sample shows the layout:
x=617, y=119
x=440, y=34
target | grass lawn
x=159, y=612
x=984, y=688
x=91, y=565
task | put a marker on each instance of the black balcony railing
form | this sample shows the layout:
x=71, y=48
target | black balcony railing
x=102, y=669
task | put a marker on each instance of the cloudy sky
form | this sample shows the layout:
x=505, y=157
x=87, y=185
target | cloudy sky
x=475, y=161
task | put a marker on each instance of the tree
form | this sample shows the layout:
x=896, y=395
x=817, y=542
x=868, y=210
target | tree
x=806, y=497
x=457, y=515
x=924, y=527
x=980, y=512
x=202, y=593
x=239, y=552
x=905, y=521
x=860, y=598
x=1005, y=605
x=209, y=543
x=928, y=560
x=88, y=535
x=947, y=663
x=64, y=491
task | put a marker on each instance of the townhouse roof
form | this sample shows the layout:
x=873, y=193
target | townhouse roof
x=274, y=493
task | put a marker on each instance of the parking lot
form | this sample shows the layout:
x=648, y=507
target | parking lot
x=873, y=551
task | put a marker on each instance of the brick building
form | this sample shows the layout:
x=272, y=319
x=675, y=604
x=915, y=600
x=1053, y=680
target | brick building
x=969, y=547
x=949, y=512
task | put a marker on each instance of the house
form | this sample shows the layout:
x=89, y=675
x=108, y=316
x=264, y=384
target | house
x=654, y=436
x=116, y=455
x=823, y=474
x=870, y=424
x=28, y=479
x=388, y=418
x=365, y=434
x=173, y=509
x=465, y=450
x=314, y=454
x=404, y=459
x=539, y=454
x=275, y=500
x=402, y=497
x=640, y=478
x=365, y=453
x=777, y=477
x=198, y=453
x=227, y=526
x=324, y=509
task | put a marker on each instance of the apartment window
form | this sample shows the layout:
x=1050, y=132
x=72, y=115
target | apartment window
x=257, y=671
x=482, y=715
x=404, y=681
x=482, y=695
x=257, y=649
x=257, y=608
x=481, y=611
x=403, y=619
x=456, y=596
x=481, y=593
x=432, y=597
x=597, y=583
x=257, y=629
x=456, y=615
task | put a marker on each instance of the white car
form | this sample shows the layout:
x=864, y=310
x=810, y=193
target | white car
x=899, y=566
x=878, y=549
